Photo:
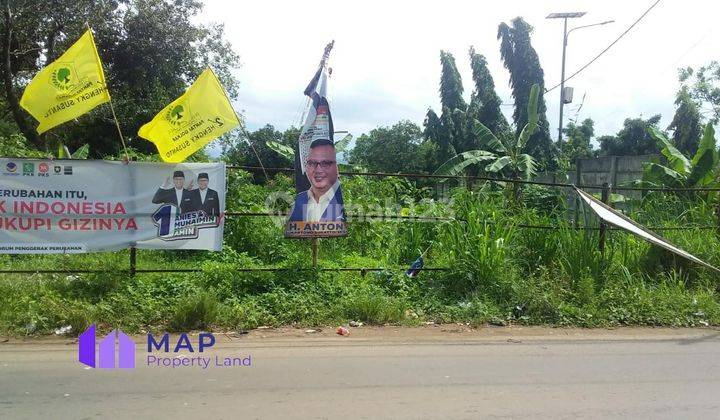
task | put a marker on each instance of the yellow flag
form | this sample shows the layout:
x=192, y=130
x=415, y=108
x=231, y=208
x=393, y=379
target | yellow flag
x=200, y=115
x=68, y=87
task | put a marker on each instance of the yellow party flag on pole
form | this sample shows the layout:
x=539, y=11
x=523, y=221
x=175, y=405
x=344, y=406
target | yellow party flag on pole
x=68, y=87
x=200, y=115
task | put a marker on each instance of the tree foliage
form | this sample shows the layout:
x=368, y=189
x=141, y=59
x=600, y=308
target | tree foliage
x=241, y=150
x=632, y=139
x=500, y=154
x=578, y=137
x=451, y=87
x=151, y=49
x=681, y=172
x=521, y=60
x=686, y=125
x=485, y=103
x=704, y=86
x=399, y=148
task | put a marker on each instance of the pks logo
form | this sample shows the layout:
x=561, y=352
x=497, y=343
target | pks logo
x=28, y=168
x=125, y=346
x=11, y=167
x=43, y=168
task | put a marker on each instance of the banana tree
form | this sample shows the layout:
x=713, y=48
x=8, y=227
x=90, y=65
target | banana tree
x=500, y=155
x=288, y=153
x=81, y=153
x=680, y=172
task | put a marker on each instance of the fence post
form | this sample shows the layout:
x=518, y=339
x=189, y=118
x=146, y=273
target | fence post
x=313, y=245
x=133, y=261
x=717, y=215
x=578, y=181
x=603, y=227
x=612, y=179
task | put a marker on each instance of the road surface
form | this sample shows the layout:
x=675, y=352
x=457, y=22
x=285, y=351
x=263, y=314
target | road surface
x=432, y=372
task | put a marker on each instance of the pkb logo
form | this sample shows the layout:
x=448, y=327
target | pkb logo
x=125, y=346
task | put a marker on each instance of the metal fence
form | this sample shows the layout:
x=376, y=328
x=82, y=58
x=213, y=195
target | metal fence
x=605, y=189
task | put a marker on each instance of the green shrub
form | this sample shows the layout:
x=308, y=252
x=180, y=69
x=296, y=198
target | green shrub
x=194, y=312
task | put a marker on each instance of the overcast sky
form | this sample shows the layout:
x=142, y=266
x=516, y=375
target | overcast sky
x=386, y=57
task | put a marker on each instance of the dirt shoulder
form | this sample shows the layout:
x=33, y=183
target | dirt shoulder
x=429, y=334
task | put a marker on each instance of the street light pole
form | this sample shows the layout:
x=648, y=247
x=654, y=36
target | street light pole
x=566, y=33
x=562, y=83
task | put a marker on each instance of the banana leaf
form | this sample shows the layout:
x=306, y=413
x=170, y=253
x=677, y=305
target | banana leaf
x=487, y=139
x=499, y=164
x=458, y=163
x=662, y=175
x=343, y=143
x=285, y=151
x=526, y=165
x=676, y=160
x=532, y=124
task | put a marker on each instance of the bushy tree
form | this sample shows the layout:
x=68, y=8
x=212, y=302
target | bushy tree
x=152, y=50
x=704, y=86
x=451, y=87
x=577, y=145
x=241, y=151
x=485, y=103
x=399, y=148
x=686, y=124
x=439, y=134
x=632, y=139
x=521, y=60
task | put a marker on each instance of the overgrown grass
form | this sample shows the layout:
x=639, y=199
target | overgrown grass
x=498, y=271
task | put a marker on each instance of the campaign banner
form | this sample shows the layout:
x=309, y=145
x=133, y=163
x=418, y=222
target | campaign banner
x=77, y=206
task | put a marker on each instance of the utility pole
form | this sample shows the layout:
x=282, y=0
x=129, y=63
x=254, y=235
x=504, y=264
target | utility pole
x=566, y=33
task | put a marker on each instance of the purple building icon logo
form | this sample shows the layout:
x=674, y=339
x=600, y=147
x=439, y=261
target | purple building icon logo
x=125, y=346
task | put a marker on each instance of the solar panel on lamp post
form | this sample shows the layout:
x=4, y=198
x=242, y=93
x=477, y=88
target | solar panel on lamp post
x=565, y=16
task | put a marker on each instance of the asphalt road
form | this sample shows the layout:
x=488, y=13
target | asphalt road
x=440, y=372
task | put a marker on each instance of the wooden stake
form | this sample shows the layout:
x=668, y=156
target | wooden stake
x=603, y=226
x=314, y=246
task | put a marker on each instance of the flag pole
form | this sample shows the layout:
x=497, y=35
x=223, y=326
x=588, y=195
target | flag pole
x=117, y=124
x=112, y=108
x=242, y=126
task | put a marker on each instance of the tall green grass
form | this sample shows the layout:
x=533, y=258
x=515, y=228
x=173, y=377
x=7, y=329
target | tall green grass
x=498, y=270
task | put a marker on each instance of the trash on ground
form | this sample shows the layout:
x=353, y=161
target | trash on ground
x=63, y=330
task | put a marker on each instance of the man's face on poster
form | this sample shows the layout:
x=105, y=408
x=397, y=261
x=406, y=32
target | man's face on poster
x=322, y=169
x=179, y=182
x=202, y=183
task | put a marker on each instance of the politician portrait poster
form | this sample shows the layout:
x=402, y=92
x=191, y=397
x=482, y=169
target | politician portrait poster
x=318, y=210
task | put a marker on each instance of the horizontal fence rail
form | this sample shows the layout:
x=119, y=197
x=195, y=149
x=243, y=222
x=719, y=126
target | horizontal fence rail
x=363, y=270
x=482, y=178
x=200, y=270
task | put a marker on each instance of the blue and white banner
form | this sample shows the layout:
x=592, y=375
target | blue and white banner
x=318, y=122
x=75, y=206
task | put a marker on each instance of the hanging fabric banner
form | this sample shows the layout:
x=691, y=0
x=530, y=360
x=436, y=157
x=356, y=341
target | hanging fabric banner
x=76, y=206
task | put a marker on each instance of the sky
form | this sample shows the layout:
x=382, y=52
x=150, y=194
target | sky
x=386, y=64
